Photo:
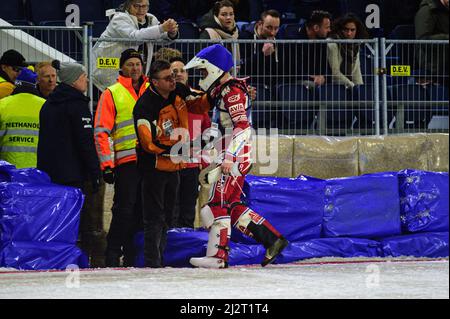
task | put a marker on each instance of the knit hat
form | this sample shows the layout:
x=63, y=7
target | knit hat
x=128, y=54
x=68, y=72
x=13, y=58
x=27, y=75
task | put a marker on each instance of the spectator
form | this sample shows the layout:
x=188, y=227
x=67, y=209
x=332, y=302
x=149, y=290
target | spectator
x=189, y=185
x=46, y=78
x=135, y=24
x=220, y=24
x=431, y=23
x=114, y=120
x=66, y=150
x=159, y=113
x=11, y=63
x=313, y=63
x=19, y=122
x=262, y=60
x=344, y=57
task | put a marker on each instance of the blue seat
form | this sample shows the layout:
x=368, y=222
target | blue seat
x=339, y=116
x=415, y=116
x=12, y=10
x=47, y=10
x=403, y=32
x=98, y=27
x=90, y=10
x=188, y=30
x=241, y=24
x=295, y=116
x=289, y=31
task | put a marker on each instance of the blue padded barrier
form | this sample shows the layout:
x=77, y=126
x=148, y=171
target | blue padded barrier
x=329, y=247
x=23, y=175
x=41, y=256
x=284, y=200
x=424, y=201
x=39, y=212
x=364, y=206
x=431, y=245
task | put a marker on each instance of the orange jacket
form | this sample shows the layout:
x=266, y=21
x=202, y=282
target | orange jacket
x=105, y=121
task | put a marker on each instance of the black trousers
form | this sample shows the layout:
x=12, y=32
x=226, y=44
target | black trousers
x=126, y=213
x=187, y=198
x=159, y=195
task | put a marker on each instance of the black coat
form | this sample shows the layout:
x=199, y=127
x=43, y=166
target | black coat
x=66, y=150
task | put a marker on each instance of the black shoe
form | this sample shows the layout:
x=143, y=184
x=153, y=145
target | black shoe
x=273, y=251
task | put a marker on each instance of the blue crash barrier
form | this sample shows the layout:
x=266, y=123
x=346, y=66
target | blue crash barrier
x=41, y=256
x=344, y=217
x=39, y=212
x=329, y=247
x=432, y=245
x=284, y=200
x=424, y=201
x=38, y=221
x=23, y=175
x=364, y=206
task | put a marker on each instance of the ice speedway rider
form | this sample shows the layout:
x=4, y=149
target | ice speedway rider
x=230, y=99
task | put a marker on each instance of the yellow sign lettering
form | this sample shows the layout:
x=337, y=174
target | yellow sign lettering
x=107, y=63
x=400, y=70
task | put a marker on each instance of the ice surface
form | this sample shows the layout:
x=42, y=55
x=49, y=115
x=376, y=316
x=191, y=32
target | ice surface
x=319, y=278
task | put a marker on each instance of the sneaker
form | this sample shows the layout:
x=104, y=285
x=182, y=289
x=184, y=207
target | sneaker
x=273, y=251
x=208, y=262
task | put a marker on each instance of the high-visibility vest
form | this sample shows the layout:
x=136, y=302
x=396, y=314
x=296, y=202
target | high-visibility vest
x=19, y=129
x=124, y=134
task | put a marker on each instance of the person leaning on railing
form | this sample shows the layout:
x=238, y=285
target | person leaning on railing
x=344, y=57
x=135, y=24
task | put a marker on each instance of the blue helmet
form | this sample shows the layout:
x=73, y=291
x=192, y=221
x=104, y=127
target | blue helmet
x=216, y=59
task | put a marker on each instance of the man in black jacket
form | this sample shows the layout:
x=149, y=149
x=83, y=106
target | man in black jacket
x=66, y=150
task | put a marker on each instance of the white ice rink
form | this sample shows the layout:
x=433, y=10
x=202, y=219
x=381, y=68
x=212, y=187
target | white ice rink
x=319, y=278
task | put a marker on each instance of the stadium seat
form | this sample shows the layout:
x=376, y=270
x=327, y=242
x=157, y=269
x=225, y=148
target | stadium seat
x=47, y=10
x=337, y=116
x=297, y=117
x=90, y=10
x=289, y=31
x=12, y=10
x=403, y=32
x=188, y=30
x=241, y=24
x=98, y=27
x=415, y=116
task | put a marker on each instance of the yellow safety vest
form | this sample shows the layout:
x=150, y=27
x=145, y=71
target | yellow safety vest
x=19, y=129
x=123, y=134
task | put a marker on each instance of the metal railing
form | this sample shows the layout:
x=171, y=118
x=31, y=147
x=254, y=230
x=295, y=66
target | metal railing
x=287, y=97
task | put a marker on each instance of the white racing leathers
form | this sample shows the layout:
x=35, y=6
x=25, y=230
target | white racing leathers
x=224, y=207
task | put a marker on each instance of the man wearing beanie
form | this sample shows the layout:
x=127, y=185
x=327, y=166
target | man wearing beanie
x=114, y=120
x=19, y=122
x=11, y=63
x=66, y=150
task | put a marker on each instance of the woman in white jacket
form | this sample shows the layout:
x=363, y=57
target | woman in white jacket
x=137, y=25
x=344, y=57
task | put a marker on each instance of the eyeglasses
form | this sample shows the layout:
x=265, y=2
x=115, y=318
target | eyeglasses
x=138, y=6
x=168, y=78
x=16, y=68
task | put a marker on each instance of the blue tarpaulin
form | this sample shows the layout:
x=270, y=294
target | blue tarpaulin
x=432, y=245
x=424, y=201
x=41, y=256
x=284, y=200
x=39, y=212
x=364, y=206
